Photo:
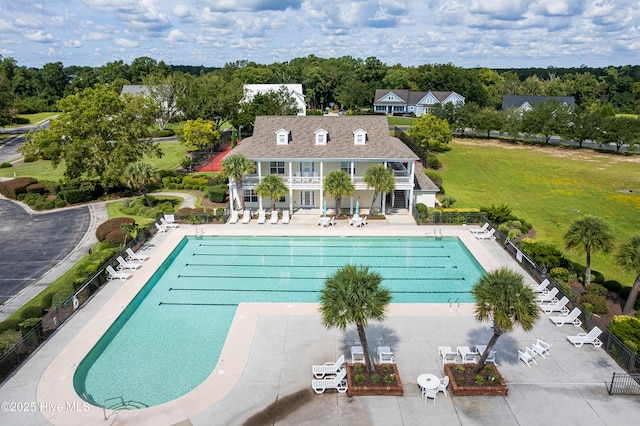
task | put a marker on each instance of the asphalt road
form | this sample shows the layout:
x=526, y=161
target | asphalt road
x=31, y=244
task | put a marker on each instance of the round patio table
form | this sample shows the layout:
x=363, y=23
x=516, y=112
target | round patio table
x=428, y=381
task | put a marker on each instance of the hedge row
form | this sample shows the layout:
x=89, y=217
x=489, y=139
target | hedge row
x=14, y=187
x=111, y=225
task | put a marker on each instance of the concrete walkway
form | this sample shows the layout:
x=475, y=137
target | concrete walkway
x=270, y=348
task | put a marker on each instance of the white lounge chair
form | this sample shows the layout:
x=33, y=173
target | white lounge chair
x=246, y=216
x=589, y=338
x=542, y=287
x=448, y=356
x=170, y=218
x=161, y=228
x=444, y=382
x=572, y=318
x=488, y=235
x=233, y=218
x=547, y=298
x=357, y=355
x=262, y=217
x=274, y=217
x=285, y=217
x=319, y=371
x=117, y=275
x=468, y=356
x=430, y=393
x=528, y=357
x=131, y=255
x=559, y=306
x=364, y=221
x=164, y=222
x=385, y=356
x=339, y=383
x=479, y=229
x=541, y=348
x=123, y=264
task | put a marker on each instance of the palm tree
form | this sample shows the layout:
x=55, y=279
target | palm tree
x=354, y=295
x=236, y=166
x=273, y=187
x=503, y=298
x=338, y=184
x=628, y=258
x=138, y=176
x=589, y=234
x=380, y=179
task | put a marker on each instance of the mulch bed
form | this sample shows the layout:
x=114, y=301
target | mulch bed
x=464, y=382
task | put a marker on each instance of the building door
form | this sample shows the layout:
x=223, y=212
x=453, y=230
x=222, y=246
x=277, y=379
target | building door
x=307, y=199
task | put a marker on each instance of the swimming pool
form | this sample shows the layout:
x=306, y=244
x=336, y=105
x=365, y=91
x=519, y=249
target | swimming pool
x=168, y=340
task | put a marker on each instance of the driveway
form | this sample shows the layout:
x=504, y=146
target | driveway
x=33, y=243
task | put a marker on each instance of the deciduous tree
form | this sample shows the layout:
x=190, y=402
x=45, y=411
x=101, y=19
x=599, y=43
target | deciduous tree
x=199, y=134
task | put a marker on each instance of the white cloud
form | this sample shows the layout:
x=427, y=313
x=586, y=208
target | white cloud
x=39, y=36
x=124, y=42
x=139, y=14
x=175, y=36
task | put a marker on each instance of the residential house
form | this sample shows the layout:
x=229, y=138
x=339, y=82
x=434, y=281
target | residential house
x=304, y=150
x=401, y=102
x=295, y=90
x=525, y=103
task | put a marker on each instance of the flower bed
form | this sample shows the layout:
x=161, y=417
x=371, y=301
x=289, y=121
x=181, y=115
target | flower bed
x=385, y=380
x=464, y=382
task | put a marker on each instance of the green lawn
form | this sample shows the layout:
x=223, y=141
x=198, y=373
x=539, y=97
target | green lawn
x=545, y=186
x=34, y=118
x=42, y=170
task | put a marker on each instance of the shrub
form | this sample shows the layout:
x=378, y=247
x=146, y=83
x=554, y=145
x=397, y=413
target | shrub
x=595, y=296
x=28, y=325
x=218, y=193
x=447, y=201
x=36, y=188
x=46, y=300
x=498, y=214
x=62, y=296
x=116, y=237
x=514, y=233
x=612, y=286
x=59, y=203
x=375, y=378
x=5, y=165
x=359, y=378
x=433, y=162
x=110, y=225
x=626, y=328
x=9, y=324
x=560, y=274
x=545, y=255
x=423, y=210
x=9, y=339
x=162, y=133
x=14, y=187
x=74, y=196
x=31, y=312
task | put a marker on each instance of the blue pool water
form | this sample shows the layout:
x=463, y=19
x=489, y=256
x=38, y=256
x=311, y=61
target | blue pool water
x=168, y=340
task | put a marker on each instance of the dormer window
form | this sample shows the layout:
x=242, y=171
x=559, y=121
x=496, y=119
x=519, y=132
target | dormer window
x=321, y=137
x=282, y=137
x=359, y=137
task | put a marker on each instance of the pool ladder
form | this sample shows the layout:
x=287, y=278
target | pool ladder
x=457, y=301
x=122, y=405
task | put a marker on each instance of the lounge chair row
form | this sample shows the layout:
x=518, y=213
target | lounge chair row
x=262, y=217
x=132, y=263
x=465, y=355
x=549, y=304
x=330, y=375
x=385, y=356
x=165, y=224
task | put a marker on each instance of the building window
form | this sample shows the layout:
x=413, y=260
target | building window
x=276, y=167
x=345, y=166
x=282, y=139
x=250, y=196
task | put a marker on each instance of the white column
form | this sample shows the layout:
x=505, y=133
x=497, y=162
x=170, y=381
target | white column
x=259, y=167
x=413, y=171
x=321, y=185
x=290, y=187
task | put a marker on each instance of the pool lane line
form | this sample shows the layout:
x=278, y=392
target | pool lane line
x=315, y=256
x=244, y=265
x=311, y=291
x=280, y=277
x=287, y=246
x=198, y=304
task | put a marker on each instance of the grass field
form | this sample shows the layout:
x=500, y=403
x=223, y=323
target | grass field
x=43, y=170
x=549, y=188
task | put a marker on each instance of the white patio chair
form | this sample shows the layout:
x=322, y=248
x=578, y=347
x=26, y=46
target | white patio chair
x=319, y=371
x=542, y=287
x=123, y=264
x=488, y=235
x=357, y=355
x=246, y=216
x=468, y=356
x=478, y=229
x=166, y=224
x=339, y=383
x=233, y=218
x=274, y=217
x=285, y=217
x=131, y=255
x=541, y=348
x=385, y=356
x=559, y=306
x=548, y=298
x=444, y=382
x=528, y=357
x=430, y=393
x=117, y=275
x=161, y=228
x=262, y=217
x=448, y=356
x=572, y=318
x=590, y=338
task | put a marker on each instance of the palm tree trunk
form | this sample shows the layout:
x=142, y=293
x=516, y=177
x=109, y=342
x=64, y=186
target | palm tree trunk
x=338, y=207
x=239, y=192
x=587, y=271
x=375, y=195
x=497, y=332
x=365, y=346
x=633, y=295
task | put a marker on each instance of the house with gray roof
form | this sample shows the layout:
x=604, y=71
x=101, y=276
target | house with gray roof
x=403, y=101
x=525, y=103
x=295, y=91
x=304, y=150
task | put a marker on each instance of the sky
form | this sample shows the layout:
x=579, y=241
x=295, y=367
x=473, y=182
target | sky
x=465, y=33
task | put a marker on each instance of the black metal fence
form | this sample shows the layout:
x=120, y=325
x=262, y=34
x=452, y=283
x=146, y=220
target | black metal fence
x=624, y=384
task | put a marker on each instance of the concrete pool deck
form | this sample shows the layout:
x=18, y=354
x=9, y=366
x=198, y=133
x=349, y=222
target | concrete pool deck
x=270, y=348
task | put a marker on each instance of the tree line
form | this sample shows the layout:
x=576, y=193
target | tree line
x=345, y=81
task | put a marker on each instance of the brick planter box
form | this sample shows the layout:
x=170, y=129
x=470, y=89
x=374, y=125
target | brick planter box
x=499, y=388
x=380, y=389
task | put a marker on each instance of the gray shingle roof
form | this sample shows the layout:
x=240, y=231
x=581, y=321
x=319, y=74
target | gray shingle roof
x=424, y=183
x=380, y=145
x=516, y=101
